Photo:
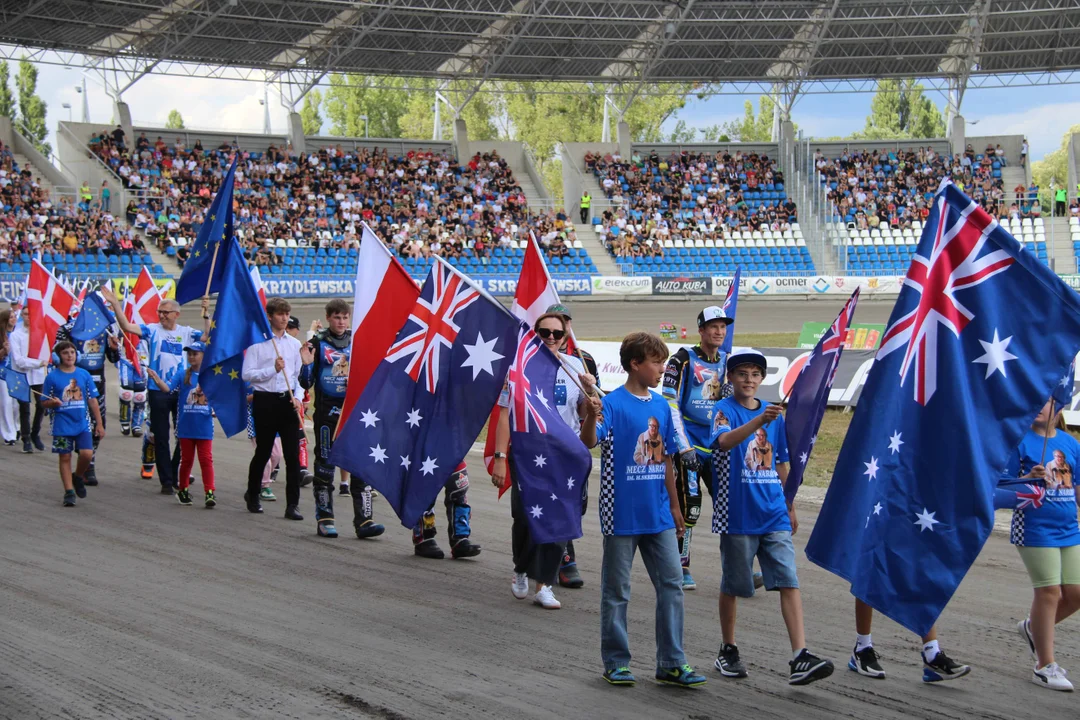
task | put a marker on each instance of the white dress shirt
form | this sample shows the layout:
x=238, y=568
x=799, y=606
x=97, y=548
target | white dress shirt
x=259, y=366
x=34, y=369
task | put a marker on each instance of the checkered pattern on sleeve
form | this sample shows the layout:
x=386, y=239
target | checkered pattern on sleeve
x=1016, y=531
x=721, y=460
x=726, y=391
x=607, y=486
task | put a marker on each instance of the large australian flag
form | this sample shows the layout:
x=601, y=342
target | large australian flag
x=550, y=461
x=980, y=335
x=431, y=395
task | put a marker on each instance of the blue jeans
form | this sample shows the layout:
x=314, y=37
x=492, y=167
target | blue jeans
x=660, y=552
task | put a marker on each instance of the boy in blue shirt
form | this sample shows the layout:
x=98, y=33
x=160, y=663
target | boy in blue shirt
x=69, y=391
x=639, y=510
x=753, y=518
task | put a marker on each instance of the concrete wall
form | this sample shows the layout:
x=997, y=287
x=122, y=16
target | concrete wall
x=393, y=146
x=575, y=177
x=514, y=154
x=43, y=166
x=836, y=148
x=1011, y=144
x=252, y=142
x=5, y=130
x=80, y=165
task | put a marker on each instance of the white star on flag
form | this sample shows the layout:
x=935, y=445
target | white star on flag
x=541, y=398
x=428, y=467
x=995, y=355
x=877, y=508
x=554, y=496
x=1066, y=381
x=369, y=418
x=540, y=461
x=481, y=356
x=871, y=468
x=570, y=483
x=926, y=520
x=378, y=453
x=813, y=439
x=413, y=418
x=803, y=457
x=895, y=442
x=536, y=511
x=405, y=461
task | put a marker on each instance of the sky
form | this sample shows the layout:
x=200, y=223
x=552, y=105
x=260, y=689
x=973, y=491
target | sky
x=1043, y=113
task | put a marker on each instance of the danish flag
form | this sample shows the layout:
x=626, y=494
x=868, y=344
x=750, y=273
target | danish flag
x=147, y=297
x=436, y=327
x=131, y=341
x=50, y=305
x=522, y=409
x=954, y=264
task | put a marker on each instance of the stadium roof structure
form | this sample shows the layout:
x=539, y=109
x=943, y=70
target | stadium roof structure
x=732, y=45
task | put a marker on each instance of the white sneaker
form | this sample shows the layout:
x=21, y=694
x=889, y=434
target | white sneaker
x=520, y=586
x=1053, y=677
x=546, y=599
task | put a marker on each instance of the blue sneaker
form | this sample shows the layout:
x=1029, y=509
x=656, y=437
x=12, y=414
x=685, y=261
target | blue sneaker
x=688, y=580
x=620, y=676
x=683, y=676
x=69, y=498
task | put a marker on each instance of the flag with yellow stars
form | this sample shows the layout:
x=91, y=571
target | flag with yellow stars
x=239, y=322
x=217, y=226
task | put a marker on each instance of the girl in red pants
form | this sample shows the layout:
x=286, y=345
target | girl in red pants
x=194, y=424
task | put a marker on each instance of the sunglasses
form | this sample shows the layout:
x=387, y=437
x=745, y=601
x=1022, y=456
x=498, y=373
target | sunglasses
x=547, y=333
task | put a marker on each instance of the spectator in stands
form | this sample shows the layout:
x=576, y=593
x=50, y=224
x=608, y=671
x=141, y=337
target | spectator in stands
x=118, y=137
x=105, y=196
x=1023, y=153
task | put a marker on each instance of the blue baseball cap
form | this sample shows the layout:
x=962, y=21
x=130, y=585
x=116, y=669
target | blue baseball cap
x=196, y=346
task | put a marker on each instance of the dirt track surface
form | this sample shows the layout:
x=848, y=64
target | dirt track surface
x=129, y=606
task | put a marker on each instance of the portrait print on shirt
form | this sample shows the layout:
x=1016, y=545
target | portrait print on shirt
x=1059, y=473
x=650, y=445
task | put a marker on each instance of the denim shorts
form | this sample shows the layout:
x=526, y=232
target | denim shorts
x=775, y=553
x=67, y=444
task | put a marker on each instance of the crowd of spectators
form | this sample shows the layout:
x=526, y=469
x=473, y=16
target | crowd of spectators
x=894, y=188
x=687, y=196
x=423, y=203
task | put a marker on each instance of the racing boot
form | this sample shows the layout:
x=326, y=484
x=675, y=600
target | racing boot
x=363, y=523
x=463, y=548
x=324, y=511
x=569, y=577
x=423, y=537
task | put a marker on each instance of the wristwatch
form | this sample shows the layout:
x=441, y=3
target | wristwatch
x=500, y=455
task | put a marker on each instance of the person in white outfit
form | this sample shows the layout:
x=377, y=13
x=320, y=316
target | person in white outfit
x=35, y=376
x=9, y=408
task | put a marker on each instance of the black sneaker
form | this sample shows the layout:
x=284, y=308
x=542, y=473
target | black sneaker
x=38, y=445
x=184, y=498
x=429, y=549
x=69, y=498
x=942, y=668
x=27, y=447
x=808, y=668
x=79, y=485
x=464, y=548
x=728, y=662
x=91, y=477
x=865, y=662
x=344, y=490
x=569, y=577
x=167, y=490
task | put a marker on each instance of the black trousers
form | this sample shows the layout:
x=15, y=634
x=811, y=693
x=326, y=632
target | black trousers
x=585, y=215
x=27, y=429
x=539, y=561
x=274, y=415
x=163, y=408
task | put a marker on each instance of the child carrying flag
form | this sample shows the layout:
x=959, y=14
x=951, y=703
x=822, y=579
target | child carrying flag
x=70, y=391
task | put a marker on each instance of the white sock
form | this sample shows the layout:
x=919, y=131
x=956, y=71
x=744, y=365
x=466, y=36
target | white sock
x=862, y=642
x=798, y=653
x=930, y=650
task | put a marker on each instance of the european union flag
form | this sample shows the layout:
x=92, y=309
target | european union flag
x=550, y=461
x=17, y=384
x=966, y=363
x=93, y=320
x=217, y=227
x=239, y=322
x=730, y=306
x=429, y=398
x=810, y=396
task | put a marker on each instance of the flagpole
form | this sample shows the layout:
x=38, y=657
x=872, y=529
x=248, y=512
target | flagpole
x=1046, y=432
x=210, y=279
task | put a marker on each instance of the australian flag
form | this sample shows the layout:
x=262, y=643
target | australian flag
x=217, y=227
x=429, y=398
x=550, y=461
x=1063, y=391
x=809, y=395
x=730, y=306
x=966, y=363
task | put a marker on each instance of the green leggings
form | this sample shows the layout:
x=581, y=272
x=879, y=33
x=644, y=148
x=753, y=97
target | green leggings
x=1052, y=566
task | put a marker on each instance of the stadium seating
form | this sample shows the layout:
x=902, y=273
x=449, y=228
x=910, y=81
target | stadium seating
x=698, y=213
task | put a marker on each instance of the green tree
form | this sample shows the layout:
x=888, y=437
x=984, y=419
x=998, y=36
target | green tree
x=900, y=110
x=7, y=99
x=32, y=109
x=1054, y=167
x=753, y=127
x=309, y=114
x=175, y=121
x=382, y=100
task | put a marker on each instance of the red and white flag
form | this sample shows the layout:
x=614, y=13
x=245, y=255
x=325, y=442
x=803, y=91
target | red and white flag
x=147, y=297
x=384, y=297
x=131, y=342
x=50, y=306
x=256, y=278
x=535, y=293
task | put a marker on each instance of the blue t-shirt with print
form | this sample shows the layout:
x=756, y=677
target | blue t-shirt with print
x=73, y=389
x=635, y=434
x=1054, y=524
x=754, y=503
x=193, y=419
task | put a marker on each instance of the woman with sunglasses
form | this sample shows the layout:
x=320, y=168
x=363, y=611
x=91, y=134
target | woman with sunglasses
x=540, y=562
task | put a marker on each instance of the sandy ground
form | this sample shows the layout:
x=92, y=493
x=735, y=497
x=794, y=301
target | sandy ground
x=129, y=606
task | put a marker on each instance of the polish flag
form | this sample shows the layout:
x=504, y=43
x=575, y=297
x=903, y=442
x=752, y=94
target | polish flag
x=50, y=306
x=535, y=293
x=147, y=298
x=385, y=295
x=256, y=278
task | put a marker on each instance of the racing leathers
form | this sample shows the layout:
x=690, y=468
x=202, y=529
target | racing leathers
x=91, y=356
x=458, y=516
x=133, y=405
x=328, y=374
x=693, y=383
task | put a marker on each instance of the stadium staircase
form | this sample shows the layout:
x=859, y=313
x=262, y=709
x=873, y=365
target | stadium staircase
x=812, y=224
x=605, y=264
x=23, y=162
